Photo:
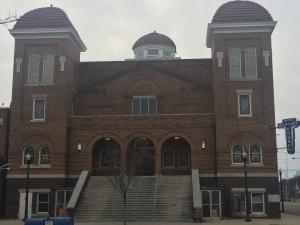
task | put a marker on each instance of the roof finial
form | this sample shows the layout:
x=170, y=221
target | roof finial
x=154, y=31
x=51, y=5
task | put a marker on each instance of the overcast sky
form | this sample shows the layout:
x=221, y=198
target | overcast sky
x=109, y=28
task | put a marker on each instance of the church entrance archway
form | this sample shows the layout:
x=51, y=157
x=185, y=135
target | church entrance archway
x=106, y=157
x=176, y=156
x=141, y=157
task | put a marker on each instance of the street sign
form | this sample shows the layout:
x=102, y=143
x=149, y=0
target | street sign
x=289, y=125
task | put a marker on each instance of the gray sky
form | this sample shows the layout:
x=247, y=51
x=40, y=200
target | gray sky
x=109, y=28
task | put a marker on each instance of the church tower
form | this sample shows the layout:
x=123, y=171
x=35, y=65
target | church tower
x=46, y=58
x=239, y=36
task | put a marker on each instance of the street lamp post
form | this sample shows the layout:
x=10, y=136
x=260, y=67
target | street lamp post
x=28, y=161
x=248, y=213
x=281, y=192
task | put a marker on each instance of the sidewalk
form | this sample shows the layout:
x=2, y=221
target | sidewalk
x=286, y=220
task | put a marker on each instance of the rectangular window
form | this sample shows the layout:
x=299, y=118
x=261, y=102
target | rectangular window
x=244, y=103
x=153, y=52
x=43, y=202
x=144, y=105
x=250, y=63
x=256, y=199
x=33, y=69
x=48, y=69
x=39, y=105
x=62, y=198
x=235, y=63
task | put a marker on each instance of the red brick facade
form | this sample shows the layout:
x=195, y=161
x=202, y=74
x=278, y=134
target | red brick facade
x=196, y=101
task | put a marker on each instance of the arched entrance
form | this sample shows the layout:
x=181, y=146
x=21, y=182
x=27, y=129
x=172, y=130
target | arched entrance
x=106, y=157
x=176, y=156
x=141, y=157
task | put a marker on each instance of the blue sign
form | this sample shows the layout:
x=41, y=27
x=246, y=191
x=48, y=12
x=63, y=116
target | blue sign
x=289, y=125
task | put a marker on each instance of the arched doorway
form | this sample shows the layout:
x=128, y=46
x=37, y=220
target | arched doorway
x=141, y=157
x=176, y=156
x=106, y=157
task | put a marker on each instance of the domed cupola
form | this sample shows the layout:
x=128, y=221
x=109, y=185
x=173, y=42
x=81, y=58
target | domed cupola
x=154, y=46
x=240, y=17
x=44, y=23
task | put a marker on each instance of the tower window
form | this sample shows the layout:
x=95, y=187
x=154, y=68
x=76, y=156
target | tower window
x=244, y=103
x=243, y=63
x=37, y=61
x=39, y=106
x=144, y=105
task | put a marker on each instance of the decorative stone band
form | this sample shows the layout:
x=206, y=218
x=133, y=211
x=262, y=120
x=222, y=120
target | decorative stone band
x=249, y=189
x=231, y=28
x=46, y=33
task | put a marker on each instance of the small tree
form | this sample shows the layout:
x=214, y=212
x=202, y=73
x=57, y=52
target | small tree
x=8, y=19
x=123, y=183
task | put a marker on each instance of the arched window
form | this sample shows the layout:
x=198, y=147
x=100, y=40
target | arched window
x=183, y=158
x=168, y=158
x=255, y=154
x=45, y=156
x=104, y=159
x=28, y=150
x=237, y=151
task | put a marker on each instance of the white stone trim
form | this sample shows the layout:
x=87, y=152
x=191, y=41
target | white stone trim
x=232, y=28
x=18, y=62
x=62, y=61
x=38, y=190
x=43, y=33
x=220, y=56
x=266, y=55
x=249, y=189
x=21, y=176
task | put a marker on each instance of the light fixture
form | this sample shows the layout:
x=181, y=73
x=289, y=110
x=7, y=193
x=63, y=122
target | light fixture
x=107, y=139
x=79, y=147
x=176, y=138
x=203, y=144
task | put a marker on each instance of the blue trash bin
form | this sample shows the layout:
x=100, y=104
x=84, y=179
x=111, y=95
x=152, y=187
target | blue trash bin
x=56, y=221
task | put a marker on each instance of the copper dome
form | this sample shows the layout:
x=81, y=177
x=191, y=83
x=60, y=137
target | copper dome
x=241, y=11
x=154, y=38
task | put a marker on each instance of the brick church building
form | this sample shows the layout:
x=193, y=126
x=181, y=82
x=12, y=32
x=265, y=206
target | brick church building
x=173, y=119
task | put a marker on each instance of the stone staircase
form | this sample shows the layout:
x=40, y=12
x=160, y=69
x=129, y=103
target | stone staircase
x=150, y=198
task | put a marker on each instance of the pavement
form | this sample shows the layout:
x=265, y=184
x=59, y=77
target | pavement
x=292, y=208
x=285, y=220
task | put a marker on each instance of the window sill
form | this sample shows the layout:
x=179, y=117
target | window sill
x=244, y=79
x=245, y=116
x=39, y=85
x=36, y=167
x=248, y=165
x=38, y=120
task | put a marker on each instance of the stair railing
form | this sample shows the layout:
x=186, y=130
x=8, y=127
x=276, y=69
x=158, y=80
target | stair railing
x=77, y=192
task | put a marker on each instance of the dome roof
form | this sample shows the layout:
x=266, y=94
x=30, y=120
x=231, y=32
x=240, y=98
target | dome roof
x=48, y=17
x=241, y=11
x=154, y=39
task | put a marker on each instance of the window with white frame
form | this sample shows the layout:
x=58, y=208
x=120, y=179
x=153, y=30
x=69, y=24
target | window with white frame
x=244, y=103
x=256, y=199
x=37, y=61
x=39, y=108
x=211, y=203
x=44, y=156
x=255, y=154
x=28, y=150
x=168, y=159
x=247, y=56
x=42, y=202
x=144, y=105
x=153, y=52
x=237, y=151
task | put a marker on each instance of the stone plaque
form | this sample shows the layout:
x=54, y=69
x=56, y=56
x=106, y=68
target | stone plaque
x=1, y=121
x=274, y=198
